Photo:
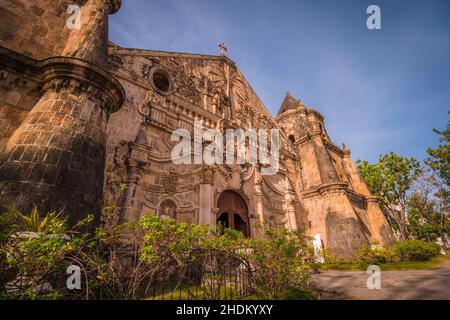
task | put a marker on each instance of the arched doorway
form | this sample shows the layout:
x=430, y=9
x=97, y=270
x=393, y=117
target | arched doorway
x=233, y=212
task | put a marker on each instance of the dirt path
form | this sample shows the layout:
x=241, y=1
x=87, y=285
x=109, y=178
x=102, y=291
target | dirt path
x=395, y=285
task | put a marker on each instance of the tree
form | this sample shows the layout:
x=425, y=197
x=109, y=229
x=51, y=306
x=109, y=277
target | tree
x=390, y=180
x=422, y=208
x=439, y=158
x=439, y=162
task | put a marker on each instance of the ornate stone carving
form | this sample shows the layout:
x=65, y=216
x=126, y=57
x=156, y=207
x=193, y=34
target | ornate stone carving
x=190, y=85
x=121, y=153
x=122, y=61
x=145, y=108
x=147, y=67
x=113, y=195
x=152, y=198
x=248, y=114
x=170, y=182
x=162, y=146
x=186, y=199
x=229, y=124
x=153, y=97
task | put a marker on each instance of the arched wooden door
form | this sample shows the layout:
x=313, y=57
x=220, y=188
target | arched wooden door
x=233, y=212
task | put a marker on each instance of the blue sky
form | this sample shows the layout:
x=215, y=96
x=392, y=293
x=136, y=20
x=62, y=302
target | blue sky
x=379, y=90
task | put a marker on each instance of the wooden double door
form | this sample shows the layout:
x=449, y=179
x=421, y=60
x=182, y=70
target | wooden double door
x=233, y=212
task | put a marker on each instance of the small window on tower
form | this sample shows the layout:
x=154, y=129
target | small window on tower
x=291, y=138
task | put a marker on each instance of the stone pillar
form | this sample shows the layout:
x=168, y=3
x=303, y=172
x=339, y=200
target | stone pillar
x=55, y=158
x=136, y=163
x=90, y=42
x=206, y=215
x=291, y=219
x=257, y=219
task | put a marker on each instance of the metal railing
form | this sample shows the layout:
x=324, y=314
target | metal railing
x=204, y=282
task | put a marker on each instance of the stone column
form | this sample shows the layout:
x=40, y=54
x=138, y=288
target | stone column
x=90, y=42
x=257, y=218
x=206, y=215
x=55, y=158
x=290, y=210
x=136, y=163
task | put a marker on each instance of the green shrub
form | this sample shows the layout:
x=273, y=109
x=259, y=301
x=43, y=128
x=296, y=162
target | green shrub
x=367, y=255
x=405, y=250
x=32, y=260
x=280, y=261
x=123, y=263
x=416, y=250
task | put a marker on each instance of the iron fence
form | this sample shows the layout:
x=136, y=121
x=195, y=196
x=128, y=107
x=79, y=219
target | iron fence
x=203, y=282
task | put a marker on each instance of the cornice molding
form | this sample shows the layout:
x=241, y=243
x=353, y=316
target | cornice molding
x=88, y=77
x=58, y=72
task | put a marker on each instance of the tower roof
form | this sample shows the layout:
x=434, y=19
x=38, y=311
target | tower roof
x=289, y=103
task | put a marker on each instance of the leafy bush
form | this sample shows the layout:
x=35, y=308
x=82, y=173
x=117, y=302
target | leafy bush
x=405, y=250
x=416, y=250
x=280, y=262
x=275, y=263
x=367, y=255
x=423, y=231
x=124, y=263
x=35, y=263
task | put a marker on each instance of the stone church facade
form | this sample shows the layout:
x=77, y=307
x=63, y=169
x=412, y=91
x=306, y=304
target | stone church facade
x=86, y=125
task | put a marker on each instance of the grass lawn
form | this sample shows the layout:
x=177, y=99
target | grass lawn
x=185, y=291
x=433, y=263
x=197, y=292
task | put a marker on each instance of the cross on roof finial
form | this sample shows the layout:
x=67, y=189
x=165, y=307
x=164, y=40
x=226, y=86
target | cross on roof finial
x=223, y=49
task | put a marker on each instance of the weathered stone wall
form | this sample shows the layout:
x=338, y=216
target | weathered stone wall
x=34, y=28
x=18, y=95
x=53, y=152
